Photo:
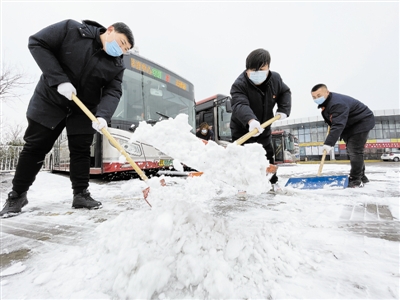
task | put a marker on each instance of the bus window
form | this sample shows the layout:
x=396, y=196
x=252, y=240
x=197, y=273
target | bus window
x=146, y=98
x=289, y=143
x=209, y=119
x=224, y=120
x=130, y=106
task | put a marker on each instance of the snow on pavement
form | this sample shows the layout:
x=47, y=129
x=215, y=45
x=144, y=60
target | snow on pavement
x=199, y=241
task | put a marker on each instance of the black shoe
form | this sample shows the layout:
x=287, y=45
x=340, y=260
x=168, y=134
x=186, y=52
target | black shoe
x=355, y=184
x=83, y=200
x=274, y=179
x=364, y=179
x=13, y=204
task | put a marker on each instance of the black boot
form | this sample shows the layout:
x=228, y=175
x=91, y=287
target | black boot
x=355, y=183
x=13, y=204
x=83, y=200
x=274, y=179
x=364, y=179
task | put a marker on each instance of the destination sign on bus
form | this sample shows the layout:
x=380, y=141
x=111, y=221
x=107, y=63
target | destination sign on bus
x=138, y=65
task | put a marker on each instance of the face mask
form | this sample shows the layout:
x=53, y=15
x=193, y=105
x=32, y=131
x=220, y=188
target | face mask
x=320, y=100
x=258, y=77
x=113, y=49
x=204, y=131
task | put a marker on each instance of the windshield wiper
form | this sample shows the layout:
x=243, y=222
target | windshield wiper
x=162, y=115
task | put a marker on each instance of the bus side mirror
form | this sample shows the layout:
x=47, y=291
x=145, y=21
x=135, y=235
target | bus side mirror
x=228, y=105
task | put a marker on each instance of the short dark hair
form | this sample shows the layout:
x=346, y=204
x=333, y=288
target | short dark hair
x=121, y=27
x=318, y=86
x=257, y=59
x=204, y=125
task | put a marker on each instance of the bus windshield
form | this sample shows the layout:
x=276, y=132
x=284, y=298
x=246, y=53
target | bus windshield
x=150, y=99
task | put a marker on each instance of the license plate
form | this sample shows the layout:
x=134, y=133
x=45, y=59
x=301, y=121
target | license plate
x=165, y=162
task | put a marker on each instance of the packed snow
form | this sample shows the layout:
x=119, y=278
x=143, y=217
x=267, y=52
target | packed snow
x=199, y=240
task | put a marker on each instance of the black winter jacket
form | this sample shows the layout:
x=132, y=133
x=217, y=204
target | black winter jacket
x=69, y=51
x=208, y=136
x=346, y=116
x=249, y=102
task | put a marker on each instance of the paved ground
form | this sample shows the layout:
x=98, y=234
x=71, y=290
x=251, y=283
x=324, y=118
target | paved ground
x=366, y=219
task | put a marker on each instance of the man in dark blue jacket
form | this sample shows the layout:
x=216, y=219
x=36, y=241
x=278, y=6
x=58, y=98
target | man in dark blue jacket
x=254, y=95
x=350, y=120
x=75, y=58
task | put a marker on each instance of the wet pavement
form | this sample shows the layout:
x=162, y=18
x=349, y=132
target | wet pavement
x=21, y=236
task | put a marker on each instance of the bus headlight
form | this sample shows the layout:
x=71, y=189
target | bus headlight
x=130, y=148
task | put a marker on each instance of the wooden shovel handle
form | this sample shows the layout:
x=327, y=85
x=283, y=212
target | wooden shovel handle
x=248, y=135
x=112, y=140
x=321, y=165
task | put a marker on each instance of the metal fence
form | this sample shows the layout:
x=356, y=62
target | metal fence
x=9, y=157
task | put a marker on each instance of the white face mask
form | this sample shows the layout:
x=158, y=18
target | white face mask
x=204, y=131
x=258, y=77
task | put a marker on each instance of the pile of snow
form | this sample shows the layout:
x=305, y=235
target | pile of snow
x=243, y=167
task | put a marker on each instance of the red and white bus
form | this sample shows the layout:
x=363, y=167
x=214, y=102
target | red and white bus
x=150, y=93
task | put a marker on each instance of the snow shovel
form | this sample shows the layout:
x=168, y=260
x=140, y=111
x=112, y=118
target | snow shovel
x=117, y=145
x=242, y=139
x=250, y=134
x=318, y=182
x=271, y=168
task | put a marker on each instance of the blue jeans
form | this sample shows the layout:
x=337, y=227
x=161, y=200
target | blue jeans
x=355, y=149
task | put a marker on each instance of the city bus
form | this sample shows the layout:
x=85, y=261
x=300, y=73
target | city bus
x=216, y=111
x=150, y=93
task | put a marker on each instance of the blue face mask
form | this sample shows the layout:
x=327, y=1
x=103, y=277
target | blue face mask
x=320, y=100
x=258, y=77
x=113, y=49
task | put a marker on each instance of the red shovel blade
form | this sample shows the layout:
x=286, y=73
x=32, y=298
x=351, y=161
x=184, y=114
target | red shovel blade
x=146, y=194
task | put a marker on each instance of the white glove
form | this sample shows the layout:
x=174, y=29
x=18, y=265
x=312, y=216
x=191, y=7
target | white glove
x=66, y=89
x=99, y=125
x=283, y=115
x=255, y=124
x=327, y=148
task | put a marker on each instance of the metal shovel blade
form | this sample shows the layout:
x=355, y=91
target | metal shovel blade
x=319, y=182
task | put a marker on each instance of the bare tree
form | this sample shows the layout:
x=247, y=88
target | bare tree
x=12, y=81
x=13, y=135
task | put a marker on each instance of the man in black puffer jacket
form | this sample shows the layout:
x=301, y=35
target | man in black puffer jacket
x=254, y=95
x=350, y=120
x=75, y=58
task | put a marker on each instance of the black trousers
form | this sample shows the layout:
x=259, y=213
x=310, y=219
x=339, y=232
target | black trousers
x=39, y=141
x=355, y=149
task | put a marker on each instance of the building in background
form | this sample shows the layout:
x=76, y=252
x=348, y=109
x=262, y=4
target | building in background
x=311, y=133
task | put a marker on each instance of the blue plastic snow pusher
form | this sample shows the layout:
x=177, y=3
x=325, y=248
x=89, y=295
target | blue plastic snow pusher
x=318, y=182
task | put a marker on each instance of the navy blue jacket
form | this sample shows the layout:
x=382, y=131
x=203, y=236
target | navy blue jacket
x=346, y=116
x=70, y=51
x=249, y=102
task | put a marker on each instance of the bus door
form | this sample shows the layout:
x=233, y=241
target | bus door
x=278, y=148
x=224, y=119
x=206, y=116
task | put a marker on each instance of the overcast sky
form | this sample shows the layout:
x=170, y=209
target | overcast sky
x=352, y=47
